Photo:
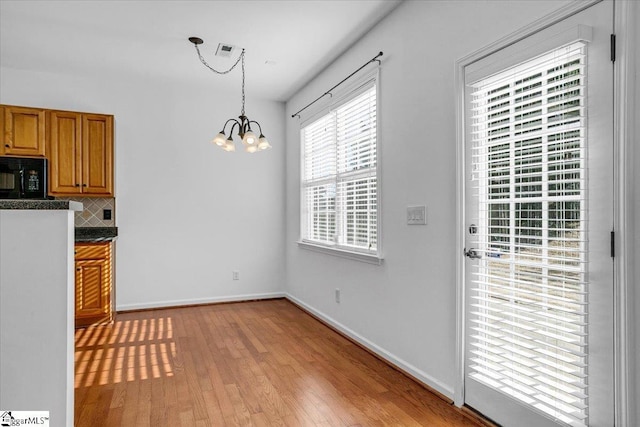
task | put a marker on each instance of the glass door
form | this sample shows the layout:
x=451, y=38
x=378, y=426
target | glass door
x=539, y=211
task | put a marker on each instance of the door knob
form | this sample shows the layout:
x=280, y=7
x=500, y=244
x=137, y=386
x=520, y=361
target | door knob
x=471, y=253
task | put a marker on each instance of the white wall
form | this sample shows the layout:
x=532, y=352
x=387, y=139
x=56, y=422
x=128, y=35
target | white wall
x=36, y=312
x=634, y=234
x=188, y=213
x=405, y=307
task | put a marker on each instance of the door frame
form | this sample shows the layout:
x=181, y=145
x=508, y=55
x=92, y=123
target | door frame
x=624, y=133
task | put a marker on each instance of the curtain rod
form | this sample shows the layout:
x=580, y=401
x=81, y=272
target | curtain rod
x=374, y=59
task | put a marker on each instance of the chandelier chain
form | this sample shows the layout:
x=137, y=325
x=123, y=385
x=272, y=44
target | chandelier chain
x=242, y=55
x=213, y=69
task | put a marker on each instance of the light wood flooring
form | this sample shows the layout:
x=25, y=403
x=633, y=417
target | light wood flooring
x=259, y=363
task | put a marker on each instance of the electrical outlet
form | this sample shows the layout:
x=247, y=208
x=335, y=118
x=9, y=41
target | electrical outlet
x=338, y=295
x=236, y=275
x=106, y=214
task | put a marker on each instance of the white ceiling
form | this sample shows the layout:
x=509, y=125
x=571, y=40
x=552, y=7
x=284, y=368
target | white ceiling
x=149, y=38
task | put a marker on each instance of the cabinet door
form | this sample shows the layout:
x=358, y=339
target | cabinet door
x=2, y=131
x=65, y=160
x=24, y=131
x=97, y=154
x=93, y=284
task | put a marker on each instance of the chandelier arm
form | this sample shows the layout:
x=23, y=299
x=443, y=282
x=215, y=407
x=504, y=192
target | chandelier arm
x=244, y=125
x=235, y=122
x=213, y=69
x=227, y=122
x=259, y=127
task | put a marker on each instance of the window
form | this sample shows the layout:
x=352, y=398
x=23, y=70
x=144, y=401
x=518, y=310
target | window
x=340, y=175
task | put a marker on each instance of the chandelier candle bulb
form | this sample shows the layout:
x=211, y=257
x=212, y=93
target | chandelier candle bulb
x=251, y=142
x=229, y=146
x=263, y=144
x=220, y=139
x=249, y=138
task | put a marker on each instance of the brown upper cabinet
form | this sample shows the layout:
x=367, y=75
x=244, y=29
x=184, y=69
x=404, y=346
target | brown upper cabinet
x=80, y=153
x=23, y=131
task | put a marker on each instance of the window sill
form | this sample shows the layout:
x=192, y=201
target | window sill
x=342, y=253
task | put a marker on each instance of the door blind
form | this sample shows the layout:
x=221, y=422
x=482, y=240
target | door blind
x=529, y=290
x=339, y=182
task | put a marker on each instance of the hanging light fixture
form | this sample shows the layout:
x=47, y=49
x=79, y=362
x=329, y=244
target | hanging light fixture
x=250, y=141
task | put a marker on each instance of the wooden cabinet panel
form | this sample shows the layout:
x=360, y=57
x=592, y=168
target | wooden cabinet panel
x=2, y=131
x=65, y=163
x=24, y=132
x=81, y=154
x=87, y=251
x=97, y=154
x=93, y=283
x=91, y=290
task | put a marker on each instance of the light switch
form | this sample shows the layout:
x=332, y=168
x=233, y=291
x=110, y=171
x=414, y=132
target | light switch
x=416, y=215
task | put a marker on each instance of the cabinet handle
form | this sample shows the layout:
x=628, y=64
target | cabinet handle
x=77, y=269
x=7, y=145
x=84, y=185
x=77, y=185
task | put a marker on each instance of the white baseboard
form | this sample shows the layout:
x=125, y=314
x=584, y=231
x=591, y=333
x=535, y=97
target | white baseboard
x=196, y=301
x=382, y=353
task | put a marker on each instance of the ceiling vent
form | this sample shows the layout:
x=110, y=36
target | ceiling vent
x=225, y=50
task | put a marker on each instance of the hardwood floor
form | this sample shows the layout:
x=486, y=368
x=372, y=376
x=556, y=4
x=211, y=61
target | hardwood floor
x=256, y=363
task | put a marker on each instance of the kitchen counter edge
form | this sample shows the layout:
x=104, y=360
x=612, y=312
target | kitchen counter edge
x=95, y=234
x=43, y=205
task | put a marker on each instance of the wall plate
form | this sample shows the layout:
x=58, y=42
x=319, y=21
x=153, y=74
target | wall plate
x=416, y=215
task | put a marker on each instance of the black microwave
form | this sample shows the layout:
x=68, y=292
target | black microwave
x=23, y=178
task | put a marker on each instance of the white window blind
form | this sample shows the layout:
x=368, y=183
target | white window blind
x=529, y=291
x=339, y=176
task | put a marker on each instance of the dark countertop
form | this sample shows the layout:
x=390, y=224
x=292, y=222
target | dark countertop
x=44, y=205
x=96, y=234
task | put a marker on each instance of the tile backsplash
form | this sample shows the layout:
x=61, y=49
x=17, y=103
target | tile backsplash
x=92, y=213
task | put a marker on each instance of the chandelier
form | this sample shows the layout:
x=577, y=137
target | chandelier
x=250, y=141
